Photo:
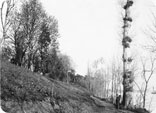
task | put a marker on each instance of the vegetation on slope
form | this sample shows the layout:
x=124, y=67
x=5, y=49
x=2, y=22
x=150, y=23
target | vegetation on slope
x=25, y=91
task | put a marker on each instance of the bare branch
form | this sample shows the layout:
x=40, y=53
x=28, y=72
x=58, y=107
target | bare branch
x=143, y=68
x=4, y=19
x=139, y=88
x=2, y=14
x=152, y=68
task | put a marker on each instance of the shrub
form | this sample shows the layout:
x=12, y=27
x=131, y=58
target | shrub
x=22, y=85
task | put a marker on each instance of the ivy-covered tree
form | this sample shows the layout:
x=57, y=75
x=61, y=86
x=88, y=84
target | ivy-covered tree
x=127, y=73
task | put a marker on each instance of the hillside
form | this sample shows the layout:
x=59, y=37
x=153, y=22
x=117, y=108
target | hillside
x=23, y=91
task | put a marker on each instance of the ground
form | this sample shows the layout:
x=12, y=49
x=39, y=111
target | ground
x=23, y=91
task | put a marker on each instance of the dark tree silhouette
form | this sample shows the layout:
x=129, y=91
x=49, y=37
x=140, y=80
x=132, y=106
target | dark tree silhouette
x=43, y=42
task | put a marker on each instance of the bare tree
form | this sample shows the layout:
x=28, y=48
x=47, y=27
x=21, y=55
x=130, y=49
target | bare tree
x=116, y=79
x=88, y=77
x=31, y=13
x=5, y=20
x=147, y=73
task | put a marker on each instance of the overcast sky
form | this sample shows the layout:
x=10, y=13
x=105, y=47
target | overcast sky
x=91, y=29
x=87, y=29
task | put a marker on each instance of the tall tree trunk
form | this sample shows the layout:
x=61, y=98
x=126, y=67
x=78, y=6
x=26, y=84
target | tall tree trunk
x=29, y=61
x=126, y=44
x=144, y=97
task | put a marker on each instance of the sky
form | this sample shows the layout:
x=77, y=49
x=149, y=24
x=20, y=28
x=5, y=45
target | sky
x=86, y=33
x=91, y=29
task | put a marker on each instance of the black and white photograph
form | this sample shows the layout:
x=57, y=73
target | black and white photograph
x=77, y=56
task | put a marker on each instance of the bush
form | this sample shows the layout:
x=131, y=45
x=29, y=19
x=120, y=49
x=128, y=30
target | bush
x=22, y=85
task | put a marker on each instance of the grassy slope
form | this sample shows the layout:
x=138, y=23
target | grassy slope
x=25, y=92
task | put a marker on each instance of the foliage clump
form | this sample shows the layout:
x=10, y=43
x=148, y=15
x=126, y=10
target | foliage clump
x=22, y=85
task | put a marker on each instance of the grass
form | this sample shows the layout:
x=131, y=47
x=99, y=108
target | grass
x=23, y=91
x=22, y=85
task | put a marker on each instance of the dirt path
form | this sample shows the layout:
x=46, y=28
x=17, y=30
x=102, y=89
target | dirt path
x=105, y=107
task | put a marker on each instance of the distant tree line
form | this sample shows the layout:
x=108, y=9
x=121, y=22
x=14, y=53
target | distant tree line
x=102, y=80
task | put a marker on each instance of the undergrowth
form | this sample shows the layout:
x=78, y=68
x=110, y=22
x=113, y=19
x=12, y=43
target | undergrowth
x=20, y=84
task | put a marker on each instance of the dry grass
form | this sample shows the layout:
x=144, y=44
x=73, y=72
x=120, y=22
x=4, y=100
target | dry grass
x=23, y=91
